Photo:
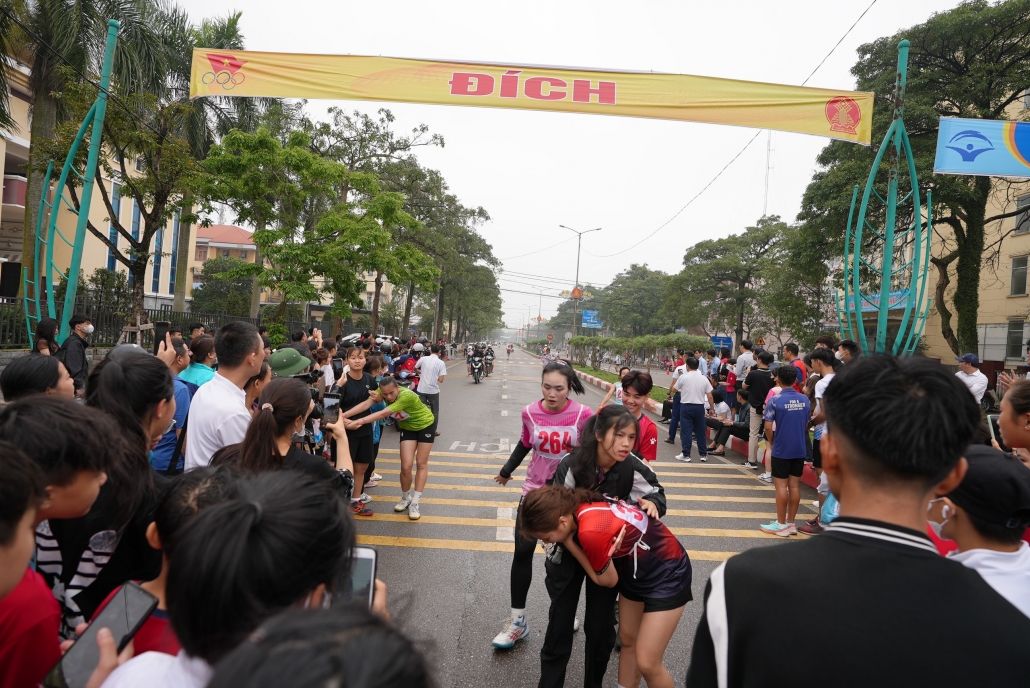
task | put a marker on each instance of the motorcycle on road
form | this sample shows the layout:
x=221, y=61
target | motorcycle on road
x=477, y=368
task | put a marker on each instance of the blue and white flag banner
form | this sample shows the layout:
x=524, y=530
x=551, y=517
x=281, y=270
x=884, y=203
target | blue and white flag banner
x=983, y=147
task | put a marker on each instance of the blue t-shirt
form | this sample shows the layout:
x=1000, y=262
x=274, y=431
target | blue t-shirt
x=163, y=450
x=791, y=412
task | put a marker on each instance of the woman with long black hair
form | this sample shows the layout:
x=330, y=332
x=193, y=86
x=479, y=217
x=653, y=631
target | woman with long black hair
x=46, y=337
x=550, y=427
x=604, y=462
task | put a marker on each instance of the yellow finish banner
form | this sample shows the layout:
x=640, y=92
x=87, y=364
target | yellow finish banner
x=845, y=115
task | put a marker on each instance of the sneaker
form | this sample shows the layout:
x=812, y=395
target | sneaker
x=682, y=457
x=361, y=510
x=365, y=498
x=402, y=505
x=812, y=521
x=792, y=529
x=775, y=528
x=512, y=633
x=813, y=527
x=372, y=483
x=765, y=477
x=748, y=464
x=704, y=459
x=669, y=441
x=413, y=513
x=376, y=476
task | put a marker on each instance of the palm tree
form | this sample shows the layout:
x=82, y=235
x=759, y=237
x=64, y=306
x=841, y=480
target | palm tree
x=73, y=33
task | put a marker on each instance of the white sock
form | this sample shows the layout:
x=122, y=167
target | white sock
x=518, y=614
x=407, y=495
x=415, y=497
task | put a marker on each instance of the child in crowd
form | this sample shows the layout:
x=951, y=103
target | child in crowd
x=180, y=501
x=786, y=424
x=615, y=391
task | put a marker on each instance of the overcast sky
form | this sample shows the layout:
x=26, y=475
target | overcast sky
x=533, y=170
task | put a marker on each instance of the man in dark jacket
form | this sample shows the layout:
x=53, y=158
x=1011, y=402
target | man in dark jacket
x=891, y=611
x=73, y=351
x=628, y=480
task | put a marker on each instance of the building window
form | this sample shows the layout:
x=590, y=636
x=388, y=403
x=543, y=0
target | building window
x=155, y=282
x=135, y=220
x=1014, y=340
x=368, y=299
x=174, y=252
x=243, y=255
x=1018, y=276
x=1023, y=219
x=225, y=253
x=116, y=205
x=138, y=165
x=201, y=254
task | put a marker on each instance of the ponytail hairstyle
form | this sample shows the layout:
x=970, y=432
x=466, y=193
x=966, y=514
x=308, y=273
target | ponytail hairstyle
x=281, y=403
x=321, y=356
x=583, y=464
x=128, y=385
x=345, y=646
x=543, y=506
x=247, y=559
x=201, y=347
x=570, y=375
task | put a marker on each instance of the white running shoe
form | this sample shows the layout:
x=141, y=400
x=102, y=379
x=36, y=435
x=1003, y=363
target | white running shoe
x=365, y=498
x=413, y=513
x=704, y=459
x=402, y=505
x=512, y=633
x=766, y=477
x=376, y=477
x=681, y=457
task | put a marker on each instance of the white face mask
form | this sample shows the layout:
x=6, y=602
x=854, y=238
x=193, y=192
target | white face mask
x=838, y=355
x=88, y=329
x=946, y=514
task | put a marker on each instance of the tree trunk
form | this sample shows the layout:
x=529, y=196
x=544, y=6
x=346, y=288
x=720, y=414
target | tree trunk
x=255, y=289
x=943, y=281
x=438, y=316
x=375, y=302
x=740, y=328
x=409, y=297
x=182, y=261
x=450, y=323
x=44, y=123
x=970, y=260
x=139, y=273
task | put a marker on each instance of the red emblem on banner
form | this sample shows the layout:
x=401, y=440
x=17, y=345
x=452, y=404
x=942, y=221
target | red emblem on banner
x=225, y=71
x=577, y=293
x=843, y=114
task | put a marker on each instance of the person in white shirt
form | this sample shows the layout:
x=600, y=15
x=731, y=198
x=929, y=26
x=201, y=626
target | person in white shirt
x=694, y=390
x=433, y=370
x=969, y=373
x=745, y=360
x=218, y=413
x=986, y=516
x=702, y=362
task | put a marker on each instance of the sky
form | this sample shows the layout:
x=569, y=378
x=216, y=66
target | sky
x=535, y=171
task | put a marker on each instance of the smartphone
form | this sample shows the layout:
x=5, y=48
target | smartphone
x=337, y=364
x=330, y=407
x=123, y=616
x=160, y=330
x=363, y=575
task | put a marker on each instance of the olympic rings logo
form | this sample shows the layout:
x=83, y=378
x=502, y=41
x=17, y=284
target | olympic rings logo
x=226, y=79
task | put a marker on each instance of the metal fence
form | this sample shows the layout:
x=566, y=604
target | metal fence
x=109, y=321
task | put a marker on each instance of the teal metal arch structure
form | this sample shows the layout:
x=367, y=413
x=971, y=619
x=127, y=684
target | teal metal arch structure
x=43, y=278
x=903, y=265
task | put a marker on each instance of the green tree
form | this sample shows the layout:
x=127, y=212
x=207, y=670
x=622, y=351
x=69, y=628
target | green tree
x=219, y=291
x=972, y=61
x=795, y=297
x=631, y=304
x=719, y=286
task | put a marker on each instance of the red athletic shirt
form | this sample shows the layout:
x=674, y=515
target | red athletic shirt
x=29, y=623
x=647, y=439
x=155, y=635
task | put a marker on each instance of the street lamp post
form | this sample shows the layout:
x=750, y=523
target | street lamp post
x=539, y=314
x=579, y=244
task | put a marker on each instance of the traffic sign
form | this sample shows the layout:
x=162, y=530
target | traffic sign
x=761, y=341
x=577, y=293
x=539, y=318
x=568, y=335
x=550, y=337
x=722, y=342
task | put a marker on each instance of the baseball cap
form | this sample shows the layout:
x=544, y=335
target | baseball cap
x=971, y=359
x=288, y=361
x=996, y=488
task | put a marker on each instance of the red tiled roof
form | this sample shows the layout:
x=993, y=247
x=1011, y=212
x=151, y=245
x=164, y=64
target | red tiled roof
x=225, y=234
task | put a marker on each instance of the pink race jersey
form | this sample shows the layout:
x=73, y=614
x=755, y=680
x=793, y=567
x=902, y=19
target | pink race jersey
x=551, y=435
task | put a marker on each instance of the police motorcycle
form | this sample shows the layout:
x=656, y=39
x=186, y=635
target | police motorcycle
x=478, y=366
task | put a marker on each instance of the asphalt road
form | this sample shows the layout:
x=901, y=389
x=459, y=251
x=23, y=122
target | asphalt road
x=448, y=574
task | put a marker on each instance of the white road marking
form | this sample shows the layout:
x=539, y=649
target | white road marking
x=504, y=413
x=471, y=445
x=505, y=533
x=504, y=396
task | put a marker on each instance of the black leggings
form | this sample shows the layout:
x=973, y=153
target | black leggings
x=372, y=464
x=521, y=565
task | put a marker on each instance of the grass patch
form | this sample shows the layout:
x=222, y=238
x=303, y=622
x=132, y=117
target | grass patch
x=658, y=393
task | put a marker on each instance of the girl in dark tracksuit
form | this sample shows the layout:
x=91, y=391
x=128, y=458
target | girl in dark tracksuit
x=603, y=462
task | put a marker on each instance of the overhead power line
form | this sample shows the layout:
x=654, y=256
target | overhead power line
x=739, y=153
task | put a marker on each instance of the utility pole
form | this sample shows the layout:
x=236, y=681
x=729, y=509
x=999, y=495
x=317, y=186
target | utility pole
x=768, y=167
x=575, y=298
x=539, y=314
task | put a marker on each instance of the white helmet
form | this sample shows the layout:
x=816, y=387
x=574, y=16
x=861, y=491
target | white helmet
x=417, y=347
x=379, y=340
